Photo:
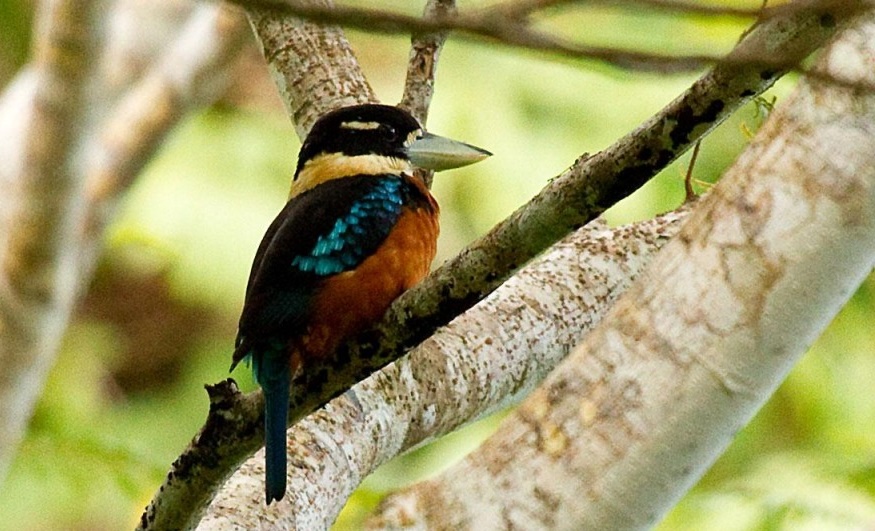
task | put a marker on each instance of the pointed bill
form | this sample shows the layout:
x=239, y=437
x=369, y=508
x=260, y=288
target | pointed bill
x=433, y=152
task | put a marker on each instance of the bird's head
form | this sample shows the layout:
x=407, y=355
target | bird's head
x=374, y=140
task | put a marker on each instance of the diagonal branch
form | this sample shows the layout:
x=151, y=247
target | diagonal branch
x=487, y=26
x=192, y=71
x=698, y=8
x=313, y=65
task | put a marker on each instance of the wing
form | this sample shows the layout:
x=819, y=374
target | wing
x=320, y=233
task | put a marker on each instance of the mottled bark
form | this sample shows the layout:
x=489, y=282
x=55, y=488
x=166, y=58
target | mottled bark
x=313, y=66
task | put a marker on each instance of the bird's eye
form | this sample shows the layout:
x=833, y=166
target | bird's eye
x=389, y=133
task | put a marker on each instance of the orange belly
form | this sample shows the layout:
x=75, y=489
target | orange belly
x=351, y=301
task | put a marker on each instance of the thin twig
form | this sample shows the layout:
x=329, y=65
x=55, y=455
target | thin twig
x=421, y=67
x=489, y=26
x=485, y=28
x=520, y=9
x=425, y=51
x=690, y=195
x=688, y=7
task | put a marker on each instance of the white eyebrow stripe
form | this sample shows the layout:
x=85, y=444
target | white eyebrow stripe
x=361, y=126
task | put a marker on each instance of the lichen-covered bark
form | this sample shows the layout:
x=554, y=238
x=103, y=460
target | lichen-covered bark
x=313, y=66
x=644, y=405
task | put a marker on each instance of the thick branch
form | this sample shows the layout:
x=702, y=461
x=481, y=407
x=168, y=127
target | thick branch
x=313, y=66
x=640, y=410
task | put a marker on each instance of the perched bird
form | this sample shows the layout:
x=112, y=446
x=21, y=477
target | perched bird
x=358, y=230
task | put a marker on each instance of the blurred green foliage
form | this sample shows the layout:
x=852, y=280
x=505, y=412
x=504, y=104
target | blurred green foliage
x=126, y=394
x=16, y=19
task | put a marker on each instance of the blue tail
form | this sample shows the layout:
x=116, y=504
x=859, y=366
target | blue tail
x=272, y=372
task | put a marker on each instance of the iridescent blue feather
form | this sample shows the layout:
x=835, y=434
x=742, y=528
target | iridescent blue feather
x=271, y=369
x=344, y=246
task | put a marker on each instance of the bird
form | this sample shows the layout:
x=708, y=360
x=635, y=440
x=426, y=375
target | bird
x=359, y=228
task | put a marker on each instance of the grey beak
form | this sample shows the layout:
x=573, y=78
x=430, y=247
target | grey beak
x=437, y=153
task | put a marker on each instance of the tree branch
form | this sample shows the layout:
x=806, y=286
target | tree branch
x=40, y=208
x=422, y=65
x=491, y=25
x=191, y=72
x=698, y=8
x=638, y=412
x=313, y=65
x=421, y=68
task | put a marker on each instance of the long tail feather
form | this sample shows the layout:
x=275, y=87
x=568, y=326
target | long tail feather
x=273, y=374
